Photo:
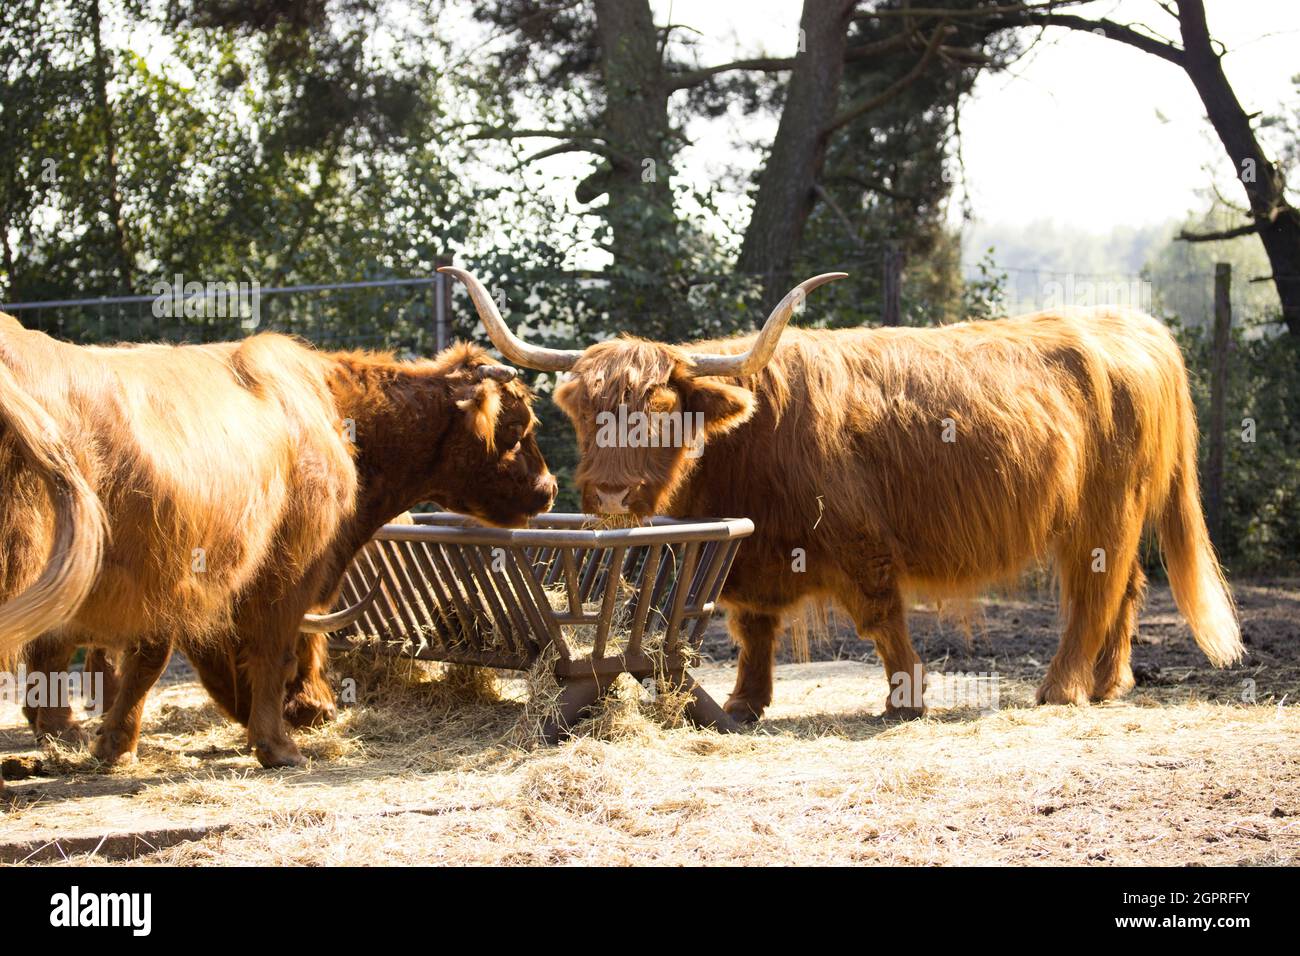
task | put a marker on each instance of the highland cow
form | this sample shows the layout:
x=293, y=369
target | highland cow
x=876, y=463
x=211, y=496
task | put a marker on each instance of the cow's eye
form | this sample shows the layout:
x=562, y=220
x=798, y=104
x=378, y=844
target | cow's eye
x=512, y=440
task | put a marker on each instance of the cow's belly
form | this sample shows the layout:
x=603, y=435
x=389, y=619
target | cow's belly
x=177, y=571
x=963, y=536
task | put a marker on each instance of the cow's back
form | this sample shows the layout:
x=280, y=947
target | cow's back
x=210, y=461
x=958, y=451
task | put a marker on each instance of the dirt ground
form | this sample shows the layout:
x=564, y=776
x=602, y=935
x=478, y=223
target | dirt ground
x=1197, y=766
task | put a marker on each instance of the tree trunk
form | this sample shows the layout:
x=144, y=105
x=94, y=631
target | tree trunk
x=642, y=221
x=113, y=194
x=786, y=187
x=1279, y=222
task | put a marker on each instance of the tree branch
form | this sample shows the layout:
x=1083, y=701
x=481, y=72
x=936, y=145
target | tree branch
x=763, y=64
x=964, y=55
x=1105, y=28
x=866, y=106
x=864, y=51
x=575, y=141
x=560, y=149
x=1248, y=229
x=1043, y=14
x=569, y=134
x=974, y=12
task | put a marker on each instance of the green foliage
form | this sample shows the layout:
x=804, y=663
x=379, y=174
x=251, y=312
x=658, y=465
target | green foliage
x=1182, y=273
x=984, y=297
x=1261, y=526
x=247, y=145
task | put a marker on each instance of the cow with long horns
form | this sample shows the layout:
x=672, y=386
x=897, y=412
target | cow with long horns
x=881, y=462
x=213, y=495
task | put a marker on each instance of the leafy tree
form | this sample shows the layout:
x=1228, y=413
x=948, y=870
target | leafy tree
x=1271, y=214
x=270, y=141
x=611, y=78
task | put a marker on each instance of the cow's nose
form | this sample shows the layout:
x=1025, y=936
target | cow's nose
x=611, y=501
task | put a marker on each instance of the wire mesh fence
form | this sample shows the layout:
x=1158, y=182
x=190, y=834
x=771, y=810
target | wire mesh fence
x=417, y=315
x=396, y=314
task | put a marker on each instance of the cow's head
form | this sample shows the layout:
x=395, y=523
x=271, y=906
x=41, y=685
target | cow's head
x=492, y=467
x=644, y=411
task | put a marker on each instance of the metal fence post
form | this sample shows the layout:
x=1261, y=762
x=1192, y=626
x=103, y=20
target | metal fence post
x=441, y=307
x=1220, y=345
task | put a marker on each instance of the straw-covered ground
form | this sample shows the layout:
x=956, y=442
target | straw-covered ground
x=1195, y=767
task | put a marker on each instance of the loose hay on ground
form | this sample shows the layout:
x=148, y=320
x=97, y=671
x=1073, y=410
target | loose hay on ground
x=434, y=778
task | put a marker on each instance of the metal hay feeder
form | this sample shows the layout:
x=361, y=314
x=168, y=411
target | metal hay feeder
x=609, y=602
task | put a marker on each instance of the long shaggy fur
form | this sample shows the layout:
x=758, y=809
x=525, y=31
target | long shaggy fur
x=940, y=460
x=211, y=495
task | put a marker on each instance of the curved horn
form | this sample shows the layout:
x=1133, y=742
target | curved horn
x=747, y=363
x=324, y=623
x=512, y=347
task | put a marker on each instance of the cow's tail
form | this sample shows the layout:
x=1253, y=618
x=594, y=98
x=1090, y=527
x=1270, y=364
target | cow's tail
x=80, y=527
x=1195, y=576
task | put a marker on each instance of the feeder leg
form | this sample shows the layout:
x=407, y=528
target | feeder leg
x=703, y=710
x=576, y=695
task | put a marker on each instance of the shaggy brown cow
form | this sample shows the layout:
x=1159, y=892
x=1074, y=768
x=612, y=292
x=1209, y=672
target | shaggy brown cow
x=877, y=462
x=211, y=495
x=309, y=700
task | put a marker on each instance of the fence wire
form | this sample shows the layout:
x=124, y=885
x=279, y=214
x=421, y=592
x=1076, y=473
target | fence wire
x=395, y=314
x=575, y=309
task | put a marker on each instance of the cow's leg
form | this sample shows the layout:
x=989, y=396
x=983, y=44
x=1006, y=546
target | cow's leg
x=217, y=666
x=140, y=667
x=1095, y=569
x=269, y=636
x=756, y=634
x=100, y=670
x=48, y=656
x=879, y=615
x=1112, y=674
x=309, y=698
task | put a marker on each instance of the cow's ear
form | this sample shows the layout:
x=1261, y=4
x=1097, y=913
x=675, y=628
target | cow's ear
x=566, y=395
x=481, y=404
x=723, y=406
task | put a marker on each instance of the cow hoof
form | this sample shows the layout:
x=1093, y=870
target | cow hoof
x=1052, y=693
x=112, y=751
x=285, y=754
x=1113, y=688
x=903, y=713
x=73, y=734
x=742, y=711
x=1114, y=692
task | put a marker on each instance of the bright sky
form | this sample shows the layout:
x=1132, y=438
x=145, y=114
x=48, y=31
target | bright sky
x=1082, y=130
